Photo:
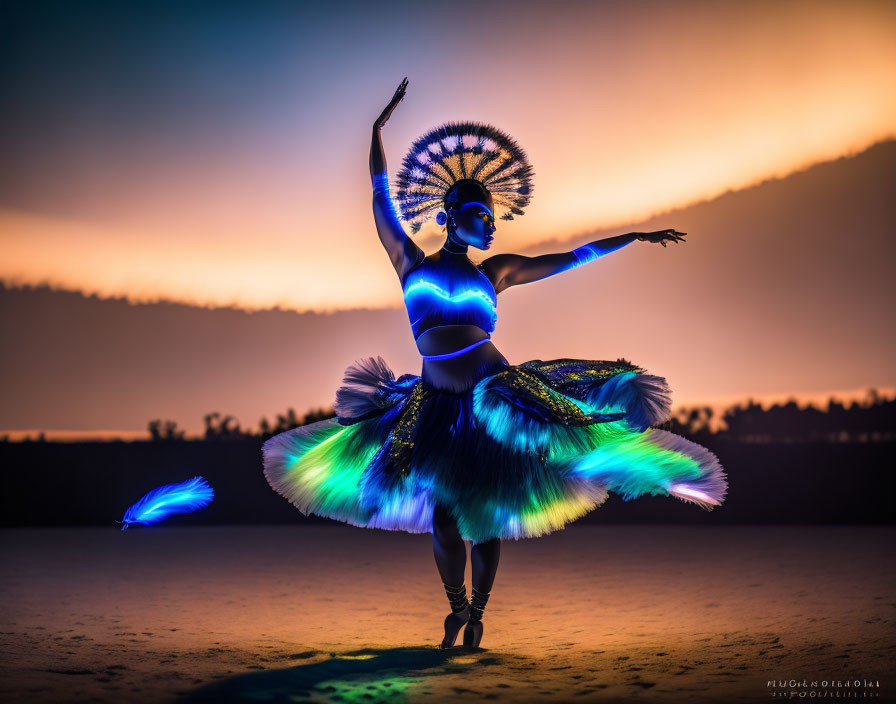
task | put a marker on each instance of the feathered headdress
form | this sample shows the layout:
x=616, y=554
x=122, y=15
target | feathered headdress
x=462, y=151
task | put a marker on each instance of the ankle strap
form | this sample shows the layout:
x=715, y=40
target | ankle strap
x=478, y=600
x=457, y=597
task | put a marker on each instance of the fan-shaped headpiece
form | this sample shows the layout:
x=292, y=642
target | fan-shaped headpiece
x=473, y=156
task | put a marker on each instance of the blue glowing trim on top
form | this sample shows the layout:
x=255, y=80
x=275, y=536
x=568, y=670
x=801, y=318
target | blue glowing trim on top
x=449, y=295
x=456, y=353
x=473, y=294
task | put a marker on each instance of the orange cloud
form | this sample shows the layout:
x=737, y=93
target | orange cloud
x=624, y=114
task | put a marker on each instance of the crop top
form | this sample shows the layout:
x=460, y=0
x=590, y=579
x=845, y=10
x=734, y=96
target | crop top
x=447, y=289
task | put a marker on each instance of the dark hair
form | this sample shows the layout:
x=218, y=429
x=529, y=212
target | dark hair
x=468, y=190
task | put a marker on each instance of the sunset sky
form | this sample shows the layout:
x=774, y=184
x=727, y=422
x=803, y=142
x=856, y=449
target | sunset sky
x=216, y=155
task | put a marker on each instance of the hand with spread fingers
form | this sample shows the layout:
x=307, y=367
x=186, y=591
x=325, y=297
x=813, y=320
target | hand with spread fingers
x=661, y=236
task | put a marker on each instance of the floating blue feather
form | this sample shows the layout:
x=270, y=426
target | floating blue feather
x=161, y=502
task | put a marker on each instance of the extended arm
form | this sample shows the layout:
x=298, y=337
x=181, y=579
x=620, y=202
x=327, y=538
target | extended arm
x=507, y=270
x=402, y=251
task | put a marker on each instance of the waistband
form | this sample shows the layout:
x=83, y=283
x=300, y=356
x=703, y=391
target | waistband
x=456, y=353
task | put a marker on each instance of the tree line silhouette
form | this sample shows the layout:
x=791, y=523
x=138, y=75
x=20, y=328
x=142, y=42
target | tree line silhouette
x=869, y=420
x=218, y=427
x=872, y=419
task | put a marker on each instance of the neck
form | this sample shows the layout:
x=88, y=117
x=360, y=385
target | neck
x=454, y=247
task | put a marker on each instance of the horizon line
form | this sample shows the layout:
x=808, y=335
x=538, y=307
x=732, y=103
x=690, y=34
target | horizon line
x=15, y=285
x=819, y=400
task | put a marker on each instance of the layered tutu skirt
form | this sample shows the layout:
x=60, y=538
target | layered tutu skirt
x=526, y=450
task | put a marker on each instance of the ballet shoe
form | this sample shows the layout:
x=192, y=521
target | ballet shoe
x=453, y=623
x=473, y=633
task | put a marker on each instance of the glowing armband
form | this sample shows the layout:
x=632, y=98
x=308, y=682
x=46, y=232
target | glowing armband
x=585, y=254
x=381, y=184
x=381, y=193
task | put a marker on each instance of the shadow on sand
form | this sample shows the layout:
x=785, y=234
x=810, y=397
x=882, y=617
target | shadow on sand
x=367, y=675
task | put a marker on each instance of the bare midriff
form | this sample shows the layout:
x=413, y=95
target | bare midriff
x=458, y=373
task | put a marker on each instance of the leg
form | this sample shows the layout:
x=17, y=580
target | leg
x=448, y=547
x=485, y=557
x=451, y=559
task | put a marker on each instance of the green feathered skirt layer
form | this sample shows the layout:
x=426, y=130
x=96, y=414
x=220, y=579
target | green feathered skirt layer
x=526, y=450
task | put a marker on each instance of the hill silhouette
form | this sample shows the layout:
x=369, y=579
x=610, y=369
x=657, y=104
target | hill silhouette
x=783, y=287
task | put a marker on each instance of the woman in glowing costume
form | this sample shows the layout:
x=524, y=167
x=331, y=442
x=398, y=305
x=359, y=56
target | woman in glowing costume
x=475, y=448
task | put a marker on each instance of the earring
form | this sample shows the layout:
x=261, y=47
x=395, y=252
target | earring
x=441, y=217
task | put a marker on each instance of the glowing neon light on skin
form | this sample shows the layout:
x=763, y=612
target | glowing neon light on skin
x=456, y=353
x=593, y=250
x=491, y=215
x=381, y=190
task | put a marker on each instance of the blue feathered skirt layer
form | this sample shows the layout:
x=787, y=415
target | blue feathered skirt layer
x=526, y=450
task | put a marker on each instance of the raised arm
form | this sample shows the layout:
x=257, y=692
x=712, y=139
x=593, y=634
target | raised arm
x=402, y=251
x=505, y=270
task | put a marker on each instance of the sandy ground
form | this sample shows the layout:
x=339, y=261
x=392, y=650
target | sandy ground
x=343, y=614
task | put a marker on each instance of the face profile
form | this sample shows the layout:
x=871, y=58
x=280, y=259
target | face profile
x=474, y=224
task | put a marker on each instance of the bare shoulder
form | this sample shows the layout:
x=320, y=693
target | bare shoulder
x=498, y=266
